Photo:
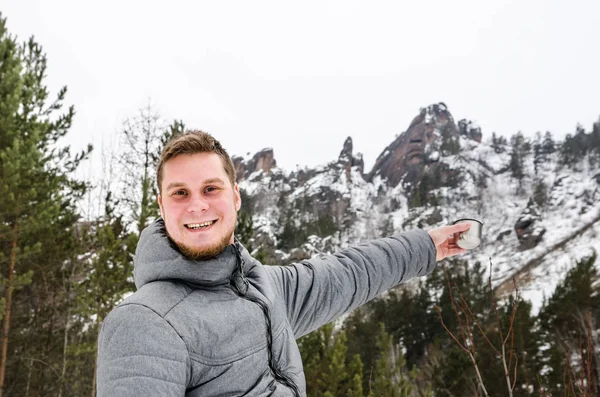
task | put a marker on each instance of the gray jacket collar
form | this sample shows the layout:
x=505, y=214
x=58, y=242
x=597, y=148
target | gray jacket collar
x=157, y=258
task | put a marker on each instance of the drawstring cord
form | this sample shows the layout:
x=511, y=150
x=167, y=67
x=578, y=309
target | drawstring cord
x=280, y=377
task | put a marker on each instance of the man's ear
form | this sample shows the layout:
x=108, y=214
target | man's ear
x=238, y=197
x=160, y=206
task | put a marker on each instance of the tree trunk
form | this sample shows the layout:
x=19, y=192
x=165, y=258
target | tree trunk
x=98, y=322
x=64, y=363
x=8, y=304
x=145, y=187
x=94, y=378
x=29, y=377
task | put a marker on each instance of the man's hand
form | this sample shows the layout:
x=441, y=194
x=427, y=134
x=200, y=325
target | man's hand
x=445, y=243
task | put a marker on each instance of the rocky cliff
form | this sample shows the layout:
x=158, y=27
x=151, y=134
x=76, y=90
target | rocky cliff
x=433, y=173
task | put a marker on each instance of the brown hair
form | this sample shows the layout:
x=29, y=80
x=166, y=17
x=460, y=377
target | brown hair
x=192, y=142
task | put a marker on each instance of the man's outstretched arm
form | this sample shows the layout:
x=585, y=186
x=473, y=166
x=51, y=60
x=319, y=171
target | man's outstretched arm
x=321, y=289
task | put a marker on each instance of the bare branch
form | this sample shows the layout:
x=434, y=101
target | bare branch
x=542, y=394
x=437, y=309
x=454, y=306
x=494, y=303
x=515, y=374
x=465, y=330
x=513, y=313
x=481, y=330
x=478, y=374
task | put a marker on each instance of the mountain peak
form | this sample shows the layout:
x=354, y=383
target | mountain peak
x=436, y=114
x=405, y=158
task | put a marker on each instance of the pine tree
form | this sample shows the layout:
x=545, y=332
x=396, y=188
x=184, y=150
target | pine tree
x=519, y=150
x=391, y=377
x=548, y=145
x=423, y=327
x=596, y=136
x=409, y=317
x=595, y=143
x=176, y=128
x=244, y=228
x=361, y=332
x=498, y=143
x=574, y=147
x=430, y=181
x=538, y=153
x=37, y=217
x=561, y=323
x=291, y=235
x=355, y=371
x=540, y=193
x=568, y=155
x=109, y=276
x=327, y=370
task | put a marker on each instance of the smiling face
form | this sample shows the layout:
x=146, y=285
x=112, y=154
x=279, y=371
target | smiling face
x=199, y=204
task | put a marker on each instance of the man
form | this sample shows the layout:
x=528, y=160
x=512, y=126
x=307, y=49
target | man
x=210, y=320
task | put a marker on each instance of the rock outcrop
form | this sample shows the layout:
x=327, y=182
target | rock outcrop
x=528, y=229
x=405, y=159
x=470, y=130
x=263, y=160
x=347, y=160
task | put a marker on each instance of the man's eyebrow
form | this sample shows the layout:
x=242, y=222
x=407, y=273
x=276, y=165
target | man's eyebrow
x=175, y=184
x=214, y=180
x=217, y=181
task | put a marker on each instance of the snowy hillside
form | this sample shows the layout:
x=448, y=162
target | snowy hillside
x=536, y=240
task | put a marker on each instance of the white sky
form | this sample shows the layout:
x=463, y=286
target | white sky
x=300, y=77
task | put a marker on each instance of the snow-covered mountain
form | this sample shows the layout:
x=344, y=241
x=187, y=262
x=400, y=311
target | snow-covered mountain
x=539, y=215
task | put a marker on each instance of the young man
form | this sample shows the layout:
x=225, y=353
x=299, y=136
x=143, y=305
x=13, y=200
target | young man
x=207, y=318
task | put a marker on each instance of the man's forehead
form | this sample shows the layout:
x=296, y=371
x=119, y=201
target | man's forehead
x=194, y=170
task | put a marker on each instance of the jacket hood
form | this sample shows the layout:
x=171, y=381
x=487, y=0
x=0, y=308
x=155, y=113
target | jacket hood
x=157, y=258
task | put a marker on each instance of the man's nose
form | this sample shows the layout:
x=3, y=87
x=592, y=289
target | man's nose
x=197, y=204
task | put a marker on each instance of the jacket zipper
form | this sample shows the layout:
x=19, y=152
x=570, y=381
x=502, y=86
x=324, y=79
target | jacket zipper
x=277, y=374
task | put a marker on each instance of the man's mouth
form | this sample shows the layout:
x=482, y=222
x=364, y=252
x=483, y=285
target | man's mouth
x=202, y=225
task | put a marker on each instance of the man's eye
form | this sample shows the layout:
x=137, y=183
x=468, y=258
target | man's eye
x=210, y=189
x=179, y=193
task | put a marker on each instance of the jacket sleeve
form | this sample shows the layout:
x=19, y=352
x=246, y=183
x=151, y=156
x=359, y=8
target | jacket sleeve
x=323, y=288
x=140, y=354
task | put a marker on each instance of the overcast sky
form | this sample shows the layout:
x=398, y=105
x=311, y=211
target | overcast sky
x=301, y=77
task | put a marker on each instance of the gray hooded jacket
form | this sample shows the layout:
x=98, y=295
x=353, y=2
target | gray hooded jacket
x=228, y=326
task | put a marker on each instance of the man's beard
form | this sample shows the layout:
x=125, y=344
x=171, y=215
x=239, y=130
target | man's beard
x=199, y=254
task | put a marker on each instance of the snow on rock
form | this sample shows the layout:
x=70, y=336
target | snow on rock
x=565, y=227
